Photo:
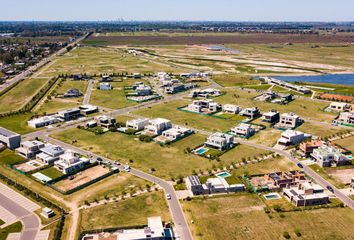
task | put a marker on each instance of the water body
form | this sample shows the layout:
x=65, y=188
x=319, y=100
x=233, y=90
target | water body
x=347, y=79
x=223, y=48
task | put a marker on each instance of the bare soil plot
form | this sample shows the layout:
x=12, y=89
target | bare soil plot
x=81, y=178
x=344, y=175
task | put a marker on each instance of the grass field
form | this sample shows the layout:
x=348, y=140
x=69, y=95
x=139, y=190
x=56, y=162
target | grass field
x=130, y=212
x=21, y=94
x=13, y=228
x=340, y=89
x=169, y=161
x=317, y=129
x=170, y=111
x=346, y=143
x=9, y=157
x=17, y=123
x=114, y=98
x=230, y=80
x=241, y=216
x=96, y=60
x=303, y=107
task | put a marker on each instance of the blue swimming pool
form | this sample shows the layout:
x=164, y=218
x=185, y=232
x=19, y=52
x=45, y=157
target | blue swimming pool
x=223, y=174
x=201, y=150
x=271, y=196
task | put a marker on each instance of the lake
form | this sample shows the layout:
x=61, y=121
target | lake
x=347, y=79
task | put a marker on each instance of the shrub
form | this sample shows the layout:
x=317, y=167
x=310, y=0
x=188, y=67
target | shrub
x=277, y=208
x=297, y=232
x=286, y=235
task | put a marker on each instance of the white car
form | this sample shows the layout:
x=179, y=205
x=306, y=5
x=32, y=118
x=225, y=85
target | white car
x=127, y=168
x=168, y=196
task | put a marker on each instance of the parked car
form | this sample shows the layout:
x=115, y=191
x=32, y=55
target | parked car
x=127, y=168
x=168, y=196
x=300, y=165
x=330, y=189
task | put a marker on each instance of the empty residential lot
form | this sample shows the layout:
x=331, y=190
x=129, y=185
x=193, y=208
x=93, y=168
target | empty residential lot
x=242, y=216
x=81, y=178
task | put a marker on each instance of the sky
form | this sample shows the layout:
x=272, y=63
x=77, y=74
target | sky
x=194, y=10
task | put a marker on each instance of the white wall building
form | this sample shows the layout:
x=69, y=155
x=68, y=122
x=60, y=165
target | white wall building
x=70, y=162
x=29, y=149
x=231, y=108
x=176, y=132
x=243, y=130
x=42, y=121
x=49, y=154
x=306, y=194
x=137, y=124
x=10, y=139
x=250, y=112
x=289, y=120
x=105, y=86
x=220, y=141
x=157, y=126
x=340, y=106
x=326, y=156
x=291, y=137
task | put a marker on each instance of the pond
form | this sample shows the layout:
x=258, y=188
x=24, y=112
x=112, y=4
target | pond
x=347, y=79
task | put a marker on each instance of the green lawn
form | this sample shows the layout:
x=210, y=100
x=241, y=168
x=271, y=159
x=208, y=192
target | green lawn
x=13, y=228
x=51, y=172
x=305, y=108
x=17, y=123
x=241, y=216
x=199, y=121
x=169, y=161
x=21, y=94
x=9, y=157
x=317, y=129
x=114, y=98
x=1, y=222
x=130, y=212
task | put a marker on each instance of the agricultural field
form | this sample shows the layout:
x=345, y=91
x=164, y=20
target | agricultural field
x=129, y=212
x=241, y=216
x=143, y=156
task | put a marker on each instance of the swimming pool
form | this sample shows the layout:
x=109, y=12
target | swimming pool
x=201, y=150
x=271, y=196
x=223, y=174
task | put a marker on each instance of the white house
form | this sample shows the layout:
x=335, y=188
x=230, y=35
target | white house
x=220, y=141
x=345, y=118
x=70, y=162
x=29, y=149
x=325, y=156
x=49, y=154
x=231, y=108
x=250, y=112
x=306, y=194
x=243, y=130
x=291, y=137
x=88, y=109
x=105, y=121
x=42, y=121
x=175, y=133
x=105, y=86
x=143, y=90
x=289, y=121
x=340, y=106
x=157, y=126
x=203, y=106
x=271, y=117
x=204, y=93
x=137, y=124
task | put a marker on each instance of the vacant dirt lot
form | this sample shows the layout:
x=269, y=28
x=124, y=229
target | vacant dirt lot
x=82, y=178
x=344, y=175
x=218, y=39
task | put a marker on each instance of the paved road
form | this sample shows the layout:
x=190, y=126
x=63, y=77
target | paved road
x=174, y=205
x=40, y=64
x=30, y=221
x=88, y=92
